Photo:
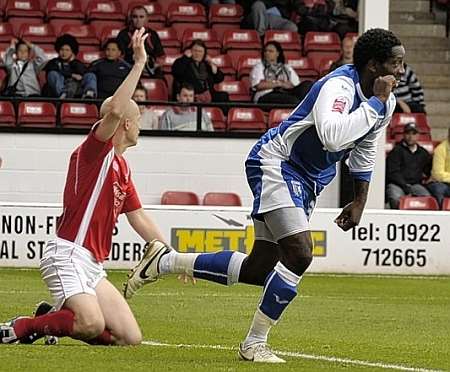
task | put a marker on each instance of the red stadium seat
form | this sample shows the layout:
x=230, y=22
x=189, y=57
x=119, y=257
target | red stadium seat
x=241, y=39
x=87, y=57
x=417, y=203
x=156, y=89
x=3, y=78
x=6, y=32
x=7, y=114
x=186, y=13
x=59, y=23
x=23, y=8
x=159, y=110
x=76, y=115
x=217, y=117
x=289, y=40
x=302, y=66
x=225, y=13
x=246, y=120
x=169, y=37
x=209, y=37
x=180, y=28
x=222, y=198
x=168, y=61
x=401, y=119
x=108, y=32
x=50, y=52
x=236, y=89
x=179, y=198
x=427, y=145
x=276, y=116
x=446, y=204
x=316, y=58
x=325, y=65
x=84, y=33
x=322, y=41
x=166, y=3
x=246, y=62
x=36, y=114
x=223, y=62
x=64, y=9
x=17, y=22
x=105, y=10
x=43, y=33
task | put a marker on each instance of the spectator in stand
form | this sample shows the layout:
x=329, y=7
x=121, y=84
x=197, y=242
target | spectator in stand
x=440, y=172
x=185, y=117
x=347, y=53
x=345, y=17
x=407, y=165
x=148, y=119
x=66, y=75
x=271, y=14
x=274, y=81
x=409, y=93
x=196, y=68
x=316, y=17
x=211, y=2
x=109, y=72
x=23, y=61
x=139, y=18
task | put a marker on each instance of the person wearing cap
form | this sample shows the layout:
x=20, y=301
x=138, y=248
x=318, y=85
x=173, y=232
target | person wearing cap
x=407, y=165
x=440, y=171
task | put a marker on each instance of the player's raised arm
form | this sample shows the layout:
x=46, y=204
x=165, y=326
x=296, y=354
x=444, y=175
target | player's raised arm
x=115, y=107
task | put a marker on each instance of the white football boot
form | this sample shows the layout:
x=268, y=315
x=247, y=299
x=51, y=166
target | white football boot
x=259, y=353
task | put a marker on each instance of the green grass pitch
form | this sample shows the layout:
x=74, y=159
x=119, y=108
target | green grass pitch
x=336, y=323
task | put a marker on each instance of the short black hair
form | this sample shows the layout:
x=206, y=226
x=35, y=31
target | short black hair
x=113, y=40
x=279, y=49
x=69, y=40
x=187, y=86
x=375, y=44
x=201, y=43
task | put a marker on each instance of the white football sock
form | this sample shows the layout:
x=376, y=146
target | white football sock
x=177, y=263
x=259, y=329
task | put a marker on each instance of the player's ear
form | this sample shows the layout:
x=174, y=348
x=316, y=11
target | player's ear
x=127, y=124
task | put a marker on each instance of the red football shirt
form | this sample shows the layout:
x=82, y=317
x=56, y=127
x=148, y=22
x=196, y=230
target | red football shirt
x=98, y=188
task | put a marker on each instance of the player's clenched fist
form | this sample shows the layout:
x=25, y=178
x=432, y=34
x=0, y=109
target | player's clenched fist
x=383, y=86
x=138, y=42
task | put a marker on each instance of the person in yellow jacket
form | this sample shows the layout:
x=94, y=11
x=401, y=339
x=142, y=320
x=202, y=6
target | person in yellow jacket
x=440, y=171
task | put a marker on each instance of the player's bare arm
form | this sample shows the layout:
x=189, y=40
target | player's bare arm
x=117, y=105
x=352, y=212
x=144, y=225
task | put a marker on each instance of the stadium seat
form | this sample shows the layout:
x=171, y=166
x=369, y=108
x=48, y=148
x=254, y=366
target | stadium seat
x=76, y=115
x=169, y=38
x=6, y=32
x=225, y=14
x=84, y=33
x=399, y=120
x=156, y=89
x=7, y=115
x=108, y=32
x=23, y=8
x=209, y=37
x=3, y=77
x=64, y=9
x=43, y=33
x=217, y=117
x=168, y=61
x=246, y=120
x=427, y=145
x=49, y=51
x=17, y=22
x=322, y=41
x=179, y=198
x=316, y=58
x=87, y=57
x=59, y=23
x=418, y=203
x=289, y=40
x=186, y=13
x=246, y=62
x=325, y=65
x=222, y=198
x=236, y=89
x=241, y=39
x=36, y=114
x=166, y=3
x=104, y=10
x=446, y=204
x=276, y=116
x=223, y=62
x=302, y=66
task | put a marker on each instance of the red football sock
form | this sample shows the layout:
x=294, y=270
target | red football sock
x=103, y=339
x=58, y=323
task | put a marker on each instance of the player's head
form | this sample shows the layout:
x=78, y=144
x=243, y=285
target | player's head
x=379, y=52
x=187, y=94
x=113, y=50
x=128, y=131
x=273, y=52
x=140, y=95
x=22, y=50
x=138, y=17
x=67, y=47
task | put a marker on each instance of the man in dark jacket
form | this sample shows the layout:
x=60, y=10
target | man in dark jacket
x=111, y=71
x=406, y=166
x=66, y=74
x=153, y=46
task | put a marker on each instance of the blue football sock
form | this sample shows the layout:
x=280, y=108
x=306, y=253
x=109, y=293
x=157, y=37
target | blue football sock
x=221, y=267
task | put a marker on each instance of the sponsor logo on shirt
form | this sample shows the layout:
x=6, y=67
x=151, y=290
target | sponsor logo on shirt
x=339, y=105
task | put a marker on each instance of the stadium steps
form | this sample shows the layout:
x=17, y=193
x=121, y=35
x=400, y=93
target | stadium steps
x=428, y=53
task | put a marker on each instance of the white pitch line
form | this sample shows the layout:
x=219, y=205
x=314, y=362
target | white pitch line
x=293, y=354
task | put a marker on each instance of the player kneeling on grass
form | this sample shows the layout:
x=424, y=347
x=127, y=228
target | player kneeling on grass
x=344, y=113
x=98, y=188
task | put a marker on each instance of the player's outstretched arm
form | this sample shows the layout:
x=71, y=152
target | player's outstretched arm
x=144, y=225
x=351, y=214
x=117, y=105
